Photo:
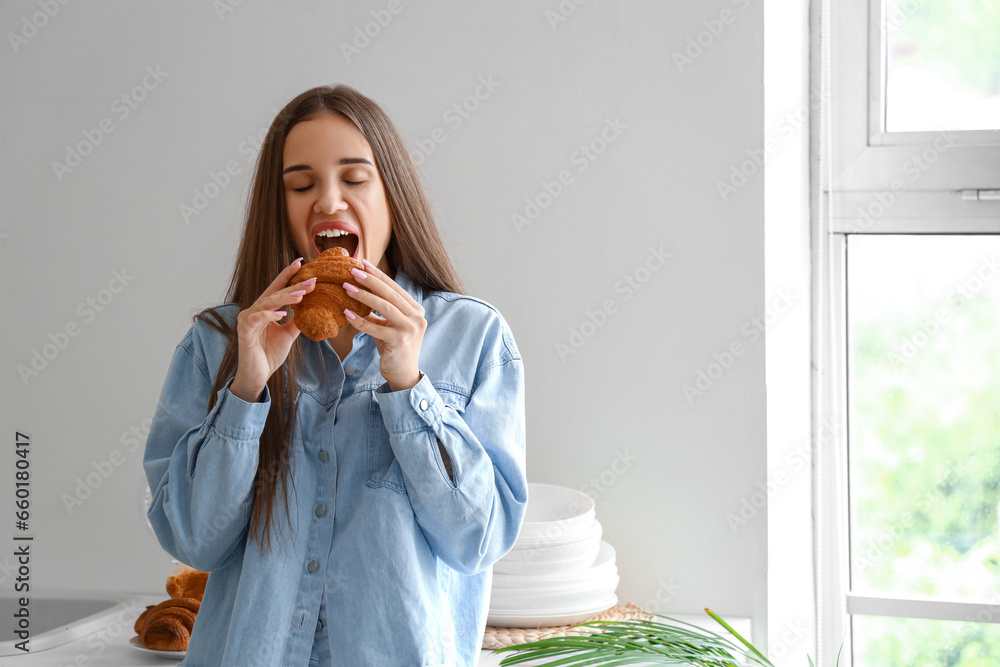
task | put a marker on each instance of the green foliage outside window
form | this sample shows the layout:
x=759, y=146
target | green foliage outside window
x=925, y=475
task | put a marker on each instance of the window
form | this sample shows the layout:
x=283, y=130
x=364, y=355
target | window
x=923, y=370
x=907, y=270
x=941, y=66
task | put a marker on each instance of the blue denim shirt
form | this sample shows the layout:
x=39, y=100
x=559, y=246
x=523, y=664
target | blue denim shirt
x=389, y=560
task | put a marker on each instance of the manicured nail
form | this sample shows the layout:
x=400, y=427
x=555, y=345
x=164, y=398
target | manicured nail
x=359, y=274
x=298, y=292
x=310, y=281
x=367, y=263
x=350, y=315
x=298, y=260
x=351, y=288
x=280, y=313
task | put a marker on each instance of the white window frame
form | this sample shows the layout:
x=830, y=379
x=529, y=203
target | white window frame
x=954, y=196
x=877, y=66
x=867, y=160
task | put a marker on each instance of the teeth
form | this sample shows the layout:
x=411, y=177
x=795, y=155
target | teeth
x=333, y=233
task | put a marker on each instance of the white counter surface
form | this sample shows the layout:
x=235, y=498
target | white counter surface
x=110, y=647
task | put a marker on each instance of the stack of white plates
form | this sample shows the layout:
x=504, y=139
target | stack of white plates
x=559, y=570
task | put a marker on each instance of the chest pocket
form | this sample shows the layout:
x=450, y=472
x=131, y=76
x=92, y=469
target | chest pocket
x=383, y=466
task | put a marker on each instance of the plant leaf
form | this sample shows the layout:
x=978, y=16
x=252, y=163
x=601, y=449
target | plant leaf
x=634, y=642
x=737, y=635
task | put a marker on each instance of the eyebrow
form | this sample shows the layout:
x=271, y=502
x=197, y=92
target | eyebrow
x=346, y=160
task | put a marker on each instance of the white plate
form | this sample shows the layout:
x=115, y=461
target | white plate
x=540, y=567
x=583, y=550
x=548, y=602
x=605, y=582
x=528, y=619
x=136, y=643
x=604, y=566
x=546, y=561
x=555, y=532
x=566, y=510
x=556, y=538
x=553, y=598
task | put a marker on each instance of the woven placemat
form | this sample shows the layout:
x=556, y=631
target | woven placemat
x=503, y=637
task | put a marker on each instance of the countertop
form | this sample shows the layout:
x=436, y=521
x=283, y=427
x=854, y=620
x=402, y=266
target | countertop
x=110, y=646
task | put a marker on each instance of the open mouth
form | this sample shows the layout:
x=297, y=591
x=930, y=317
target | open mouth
x=334, y=238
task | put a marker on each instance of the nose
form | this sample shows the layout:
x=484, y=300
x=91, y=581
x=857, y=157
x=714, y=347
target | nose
x=329, y=200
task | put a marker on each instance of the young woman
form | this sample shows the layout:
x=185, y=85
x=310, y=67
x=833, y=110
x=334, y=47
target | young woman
x=403, y=438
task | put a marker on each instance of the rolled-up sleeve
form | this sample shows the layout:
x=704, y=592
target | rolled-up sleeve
x=472, y=518
x=201, y=467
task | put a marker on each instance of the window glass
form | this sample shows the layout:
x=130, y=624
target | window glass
x=942, y=65
x=924, y=415
x=908, y=642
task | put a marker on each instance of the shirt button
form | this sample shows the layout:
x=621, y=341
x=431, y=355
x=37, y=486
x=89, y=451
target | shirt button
x=322, y=455
x=320, y=510
x=349, y=370
x=423, y=403
x=319, y=625
x=313, y=565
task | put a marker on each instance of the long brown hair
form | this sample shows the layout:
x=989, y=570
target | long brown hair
x=267, y=247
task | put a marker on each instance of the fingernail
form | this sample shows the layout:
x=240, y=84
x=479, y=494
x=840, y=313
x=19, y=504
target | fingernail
x=298, y=260
x=350, y=315
x=367, y=263
x=359, y=274
x=298, y=292
x=310, y=281
x=280, y=313
x=351, y=288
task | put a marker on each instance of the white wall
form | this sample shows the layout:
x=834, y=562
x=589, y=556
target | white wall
x=789, y=108
x=684, y=466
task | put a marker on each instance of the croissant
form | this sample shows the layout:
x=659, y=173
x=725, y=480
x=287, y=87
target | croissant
x=320, y=314
x=167, y=626
x=141, y=621
x=187, y=582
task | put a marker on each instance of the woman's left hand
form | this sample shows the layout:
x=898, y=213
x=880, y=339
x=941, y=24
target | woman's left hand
x=398, y=333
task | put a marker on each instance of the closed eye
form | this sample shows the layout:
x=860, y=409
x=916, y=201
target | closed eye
x=303, y=189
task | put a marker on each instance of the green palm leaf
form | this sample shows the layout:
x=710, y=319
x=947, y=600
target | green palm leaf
x=640, y=642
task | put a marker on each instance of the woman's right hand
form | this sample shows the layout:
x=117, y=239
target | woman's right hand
x=263, y=344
